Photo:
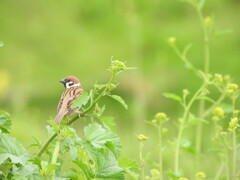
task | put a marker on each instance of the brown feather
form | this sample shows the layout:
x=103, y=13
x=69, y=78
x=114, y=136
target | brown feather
x=67, y=99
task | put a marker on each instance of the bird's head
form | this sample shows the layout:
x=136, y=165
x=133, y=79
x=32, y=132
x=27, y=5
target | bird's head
x=70, y=81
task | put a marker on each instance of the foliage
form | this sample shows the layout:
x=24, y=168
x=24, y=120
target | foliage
x=200, y=109
x=96, y=155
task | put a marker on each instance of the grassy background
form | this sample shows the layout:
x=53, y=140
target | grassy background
x=45, y=41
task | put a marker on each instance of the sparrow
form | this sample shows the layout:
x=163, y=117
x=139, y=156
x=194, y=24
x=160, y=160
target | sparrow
x=72, y=92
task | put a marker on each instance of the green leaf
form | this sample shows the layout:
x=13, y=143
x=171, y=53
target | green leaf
x=196, y=121
x=108, y=122
x=206, y=99
x=28, y=171
x=12, y=149
x=120, y=100
x=201, y=4
x=106, y=164
x=128, y=164
x=172, y=175
x=82, y=100
x=173, y=97
x=98, y=137
x=47, y=169
x=84, y=167
x=186, y=144
x=220, y=33
x=5, y=122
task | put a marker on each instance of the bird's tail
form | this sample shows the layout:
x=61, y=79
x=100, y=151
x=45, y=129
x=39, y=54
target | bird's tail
x=59, y=117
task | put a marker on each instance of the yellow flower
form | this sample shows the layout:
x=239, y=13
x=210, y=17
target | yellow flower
x=218, y=78
x=201, y=175
x=219, y=112
x=232, y=86
x=162, y=117
x=233, y=124
x=223, y=133
x=182, y=178
x=171, y=40
x=208, y=20
x=4, y=82
x=142, y=138
x=155, y=174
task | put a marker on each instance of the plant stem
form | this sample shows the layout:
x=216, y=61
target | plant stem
x=234, y=155
x=55, y=157
x=160, y=151
x=234, y=146
x=210, y=109
x=227, y=164
x=206, y=70
x=141, y=161
x=51, y=138
x=179, y=137
x=219, y=172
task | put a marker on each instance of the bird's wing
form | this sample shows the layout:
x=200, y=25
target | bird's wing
x=66, y=101
x=77, y=91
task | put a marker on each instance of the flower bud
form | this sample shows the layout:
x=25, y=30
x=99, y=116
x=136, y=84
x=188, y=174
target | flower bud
x=218, y=78
x=155, y=174
x=200, y=175
x=162, y=117
x=142, y=138
x=223, y=133
x=185, y=92
x=182, y=178
x=233, y=124
x=208, y=20
x=171, y=40
x=219, y=112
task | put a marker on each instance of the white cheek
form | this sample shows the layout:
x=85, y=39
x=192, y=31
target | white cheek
x=68, y=86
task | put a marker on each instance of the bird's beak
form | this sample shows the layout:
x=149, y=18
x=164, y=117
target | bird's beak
x=62, y=81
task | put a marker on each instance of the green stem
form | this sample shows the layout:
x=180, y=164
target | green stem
x=160, y=151
x=141, y=161
x=219, y=172
x=234, y=146
x=206, y=70
x=51, y=138
x=227, y=164
x=234, y=155
x=206, y=41
x=179, y=137
x=210, y=109
x=55, y=157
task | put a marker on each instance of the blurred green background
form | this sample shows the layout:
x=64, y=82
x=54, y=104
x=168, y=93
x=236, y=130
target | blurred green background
x=45, y=41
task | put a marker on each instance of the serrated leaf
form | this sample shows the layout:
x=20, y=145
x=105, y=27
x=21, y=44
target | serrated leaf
x=84, y=167
x=128, y=163
x=120, y=100
x=5, y=122
x=98, y=137
x=82, y=100
x=173, y=97
x=106, y=164
x=12, y=149
x=108, y=122
x=28, y=171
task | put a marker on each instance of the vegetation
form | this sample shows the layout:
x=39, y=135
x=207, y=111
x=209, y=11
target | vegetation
x=195, y=138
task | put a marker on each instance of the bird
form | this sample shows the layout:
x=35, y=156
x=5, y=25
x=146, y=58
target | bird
x=72, y=92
